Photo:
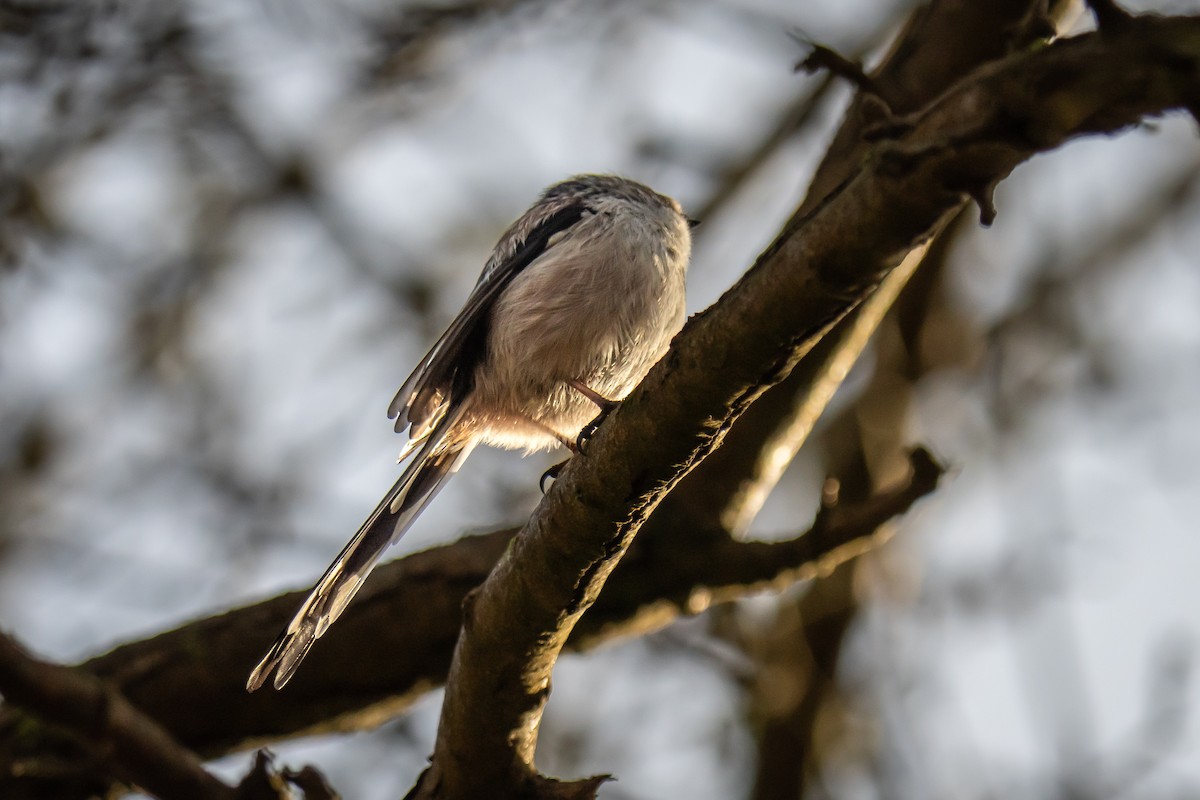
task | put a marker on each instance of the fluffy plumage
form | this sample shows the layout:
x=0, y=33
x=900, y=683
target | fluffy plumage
x=587, y=287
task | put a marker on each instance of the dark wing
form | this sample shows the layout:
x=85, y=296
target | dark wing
x=445, y=372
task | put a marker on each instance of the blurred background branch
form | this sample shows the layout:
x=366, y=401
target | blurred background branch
x=116, y=738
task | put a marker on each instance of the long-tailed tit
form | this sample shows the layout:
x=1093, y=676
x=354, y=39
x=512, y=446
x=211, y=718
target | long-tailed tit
x=578, y=300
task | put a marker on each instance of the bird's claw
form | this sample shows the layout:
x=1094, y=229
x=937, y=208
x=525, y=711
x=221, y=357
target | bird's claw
x=589, y=430
x=551, y=474
x=585, y=433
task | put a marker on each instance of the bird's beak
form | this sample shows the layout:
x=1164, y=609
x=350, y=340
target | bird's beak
x=692, y=223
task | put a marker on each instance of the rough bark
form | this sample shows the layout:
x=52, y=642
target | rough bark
x=940, y=44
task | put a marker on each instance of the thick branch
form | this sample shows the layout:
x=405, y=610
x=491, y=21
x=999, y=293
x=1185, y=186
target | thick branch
x=940, y=44
x=822, y=265
x=130, y=744
x=189, y=680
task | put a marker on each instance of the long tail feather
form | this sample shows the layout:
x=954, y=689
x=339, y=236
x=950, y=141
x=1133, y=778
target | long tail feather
x=428, y=472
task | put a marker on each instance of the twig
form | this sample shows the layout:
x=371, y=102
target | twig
x=825, y=58
x=790, y=124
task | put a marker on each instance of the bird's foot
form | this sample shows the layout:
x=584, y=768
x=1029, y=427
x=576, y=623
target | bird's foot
x=603, y=403
x=589, y=430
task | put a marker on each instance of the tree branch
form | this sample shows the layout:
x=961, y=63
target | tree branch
x=730, y=569
x=217, y=715
x=130, y=744
x=823, y=264
x=939, y=45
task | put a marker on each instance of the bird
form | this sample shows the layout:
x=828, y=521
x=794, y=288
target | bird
x=579, y=299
